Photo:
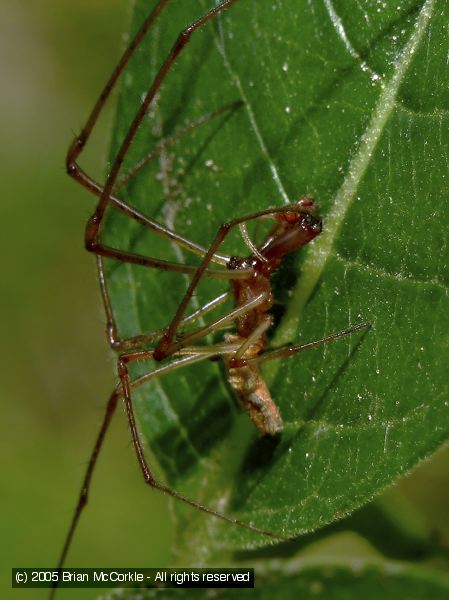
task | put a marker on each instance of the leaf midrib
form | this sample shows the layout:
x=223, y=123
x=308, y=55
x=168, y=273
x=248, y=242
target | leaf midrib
x=320, y=251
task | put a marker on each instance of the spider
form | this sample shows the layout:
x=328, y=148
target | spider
x=171, y=348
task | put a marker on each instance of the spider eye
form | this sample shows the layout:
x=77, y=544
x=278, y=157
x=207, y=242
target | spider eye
x=233, y=263
x=317, y=226
x=313, y=225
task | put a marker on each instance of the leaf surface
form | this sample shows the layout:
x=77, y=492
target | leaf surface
x=345, y=101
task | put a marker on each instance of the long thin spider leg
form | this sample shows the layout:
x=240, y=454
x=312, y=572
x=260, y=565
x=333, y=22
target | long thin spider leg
x=203, y=310
x=163, y=349
x=165, y=143
x=191, y=357
x=125, y=344
x=185, y=357
x=146, y=471
x=84, y=492
x=216, y=350
x=249, y=242
x=94, y=225
x=95, y=188
x=111, y=326
x=80, y=141
x=180, y=347
x=288, y=350
x=232, y=315
x=265, y=324
x=109, y=412
x=164, y=265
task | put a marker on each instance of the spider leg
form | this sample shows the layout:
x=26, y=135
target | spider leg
x=191, y=355
x=164, y=265
x=144, y=467
x=126, y=343
x=180, y=347
x=249, y=242
x=289, y=350
x=265, y=324
x=94, y=225
x=168, y=141
x=111, y=327
x=75, y=149
x=232, y=315
x=80, y=141
x=165, y=232
x=105, y=193
x=85, y=486
x=165, y=345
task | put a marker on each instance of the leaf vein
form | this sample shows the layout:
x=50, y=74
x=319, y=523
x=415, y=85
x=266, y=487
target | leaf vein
x=341, y=32
x=321, y=249
x=252, y=119
x=384, y=274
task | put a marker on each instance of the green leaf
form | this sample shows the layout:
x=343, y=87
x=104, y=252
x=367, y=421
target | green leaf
x=347, y=102
x=333, y=582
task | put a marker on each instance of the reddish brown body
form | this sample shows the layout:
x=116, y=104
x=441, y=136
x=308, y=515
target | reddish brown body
x=291, y=232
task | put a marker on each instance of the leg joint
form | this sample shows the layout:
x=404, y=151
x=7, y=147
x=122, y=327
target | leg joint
x=91, y=245
x=71, y=167
x=162, y=350
x=121, y=367
x=182, y=40
x=91, y=238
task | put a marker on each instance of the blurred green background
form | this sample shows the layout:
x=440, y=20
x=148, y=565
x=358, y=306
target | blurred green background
x=57, y=370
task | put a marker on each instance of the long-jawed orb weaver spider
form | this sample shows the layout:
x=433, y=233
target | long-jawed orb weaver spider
x=294, y=226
